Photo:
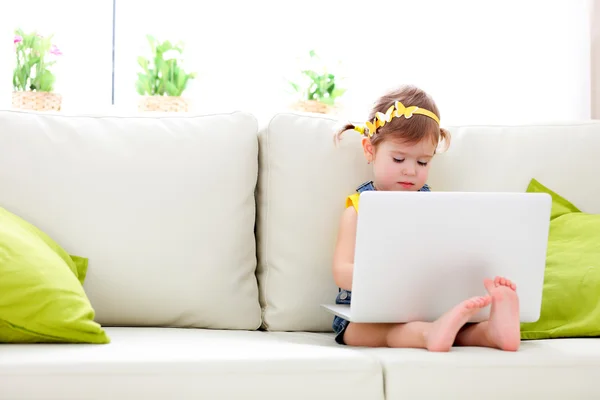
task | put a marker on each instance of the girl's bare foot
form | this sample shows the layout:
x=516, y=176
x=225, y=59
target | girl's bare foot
x=503, y=329
x=440, y=336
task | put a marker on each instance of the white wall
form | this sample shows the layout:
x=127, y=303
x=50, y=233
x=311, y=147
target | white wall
x=485, y=62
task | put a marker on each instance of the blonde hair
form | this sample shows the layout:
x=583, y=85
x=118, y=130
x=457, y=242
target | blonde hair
x=408, y=130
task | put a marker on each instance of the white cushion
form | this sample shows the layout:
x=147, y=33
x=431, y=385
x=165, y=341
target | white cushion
x=564, y=157
x=155, y=363
x=303, y=182
x=543, y=369
x=549, y=369
x=163, y=207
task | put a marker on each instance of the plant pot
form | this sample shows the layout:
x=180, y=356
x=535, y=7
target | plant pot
x=313, y=106
x=163, y=104
x=37, y=101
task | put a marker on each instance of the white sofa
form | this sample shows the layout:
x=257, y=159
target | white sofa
x=202, y=229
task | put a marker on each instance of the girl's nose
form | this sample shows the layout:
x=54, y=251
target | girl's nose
x=409, y=169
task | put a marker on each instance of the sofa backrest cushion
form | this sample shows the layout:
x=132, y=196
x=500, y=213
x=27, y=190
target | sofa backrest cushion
x=304, y=179
x=163, y=207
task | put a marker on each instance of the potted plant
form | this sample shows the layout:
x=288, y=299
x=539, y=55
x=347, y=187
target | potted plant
x=162, y=81
x=33, y=81
x=318, y=89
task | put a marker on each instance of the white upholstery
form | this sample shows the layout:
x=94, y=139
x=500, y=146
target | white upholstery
x=564, y=157
x=164, y=363
x=304, y=180
x=549, y=369
x=163, y=208
x=542, y=369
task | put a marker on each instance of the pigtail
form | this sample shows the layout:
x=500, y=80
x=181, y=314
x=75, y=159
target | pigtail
x=444, y=139
x=338, y=134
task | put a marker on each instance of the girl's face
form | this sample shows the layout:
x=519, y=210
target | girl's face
x=398, y=165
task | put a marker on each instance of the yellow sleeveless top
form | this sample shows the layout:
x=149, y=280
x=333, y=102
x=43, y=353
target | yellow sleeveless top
x=352, y=201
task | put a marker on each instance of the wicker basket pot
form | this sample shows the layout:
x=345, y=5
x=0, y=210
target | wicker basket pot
x=37, y=101
x=163, y=104
x=313, y=106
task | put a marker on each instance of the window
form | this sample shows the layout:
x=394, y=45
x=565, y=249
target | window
x=82, y=31
x=505, y=62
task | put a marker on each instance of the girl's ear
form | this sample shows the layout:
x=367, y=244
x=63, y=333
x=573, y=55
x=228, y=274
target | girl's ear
x=368, y=149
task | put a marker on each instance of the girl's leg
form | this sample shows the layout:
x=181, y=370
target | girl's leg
x=434, y=336
x=410, y=335
x=503, y=330
x=474, y=335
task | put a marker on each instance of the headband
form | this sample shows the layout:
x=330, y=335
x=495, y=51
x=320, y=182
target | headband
x=395, y=111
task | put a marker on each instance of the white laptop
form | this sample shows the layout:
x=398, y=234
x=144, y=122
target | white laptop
x=420, y=253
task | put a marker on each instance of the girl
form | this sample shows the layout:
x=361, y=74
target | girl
x=400, y=140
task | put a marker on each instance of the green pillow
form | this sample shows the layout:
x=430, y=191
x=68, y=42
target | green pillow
x=570, y=302
x=81, y=266
x=41, y=293
x=78, y=265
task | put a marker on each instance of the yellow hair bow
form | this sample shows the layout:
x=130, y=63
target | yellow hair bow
x=360, y=129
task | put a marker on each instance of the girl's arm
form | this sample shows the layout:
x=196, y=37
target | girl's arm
x=343, y=257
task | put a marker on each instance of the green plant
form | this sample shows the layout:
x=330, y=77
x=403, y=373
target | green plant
x=319, y=85
x=32, y=70
x=164, y=75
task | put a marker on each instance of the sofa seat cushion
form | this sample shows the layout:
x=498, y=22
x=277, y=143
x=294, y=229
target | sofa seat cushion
x=545, y=369
x=541, y=369
x=171, y=363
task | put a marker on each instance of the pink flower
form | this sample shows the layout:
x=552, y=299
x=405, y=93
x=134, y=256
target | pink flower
x=18, y=39
x=54, y=50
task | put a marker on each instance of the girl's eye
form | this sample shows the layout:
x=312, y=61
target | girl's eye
x=398, y=160
x=421, y=163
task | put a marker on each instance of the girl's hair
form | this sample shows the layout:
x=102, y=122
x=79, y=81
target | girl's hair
x=409, y=130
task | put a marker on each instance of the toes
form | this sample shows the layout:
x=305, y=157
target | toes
x=485, y=300
x=507, y=282
x=473, y=303
x=489, y=284
x=501, y=281
x=479, y=302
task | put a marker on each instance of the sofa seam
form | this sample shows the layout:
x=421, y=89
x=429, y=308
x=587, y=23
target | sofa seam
x=313, y=371
x=267, y=227
x=559, y=124
x=136, y=116
x=562, y=124
x=197, y=115
x=254, y=194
